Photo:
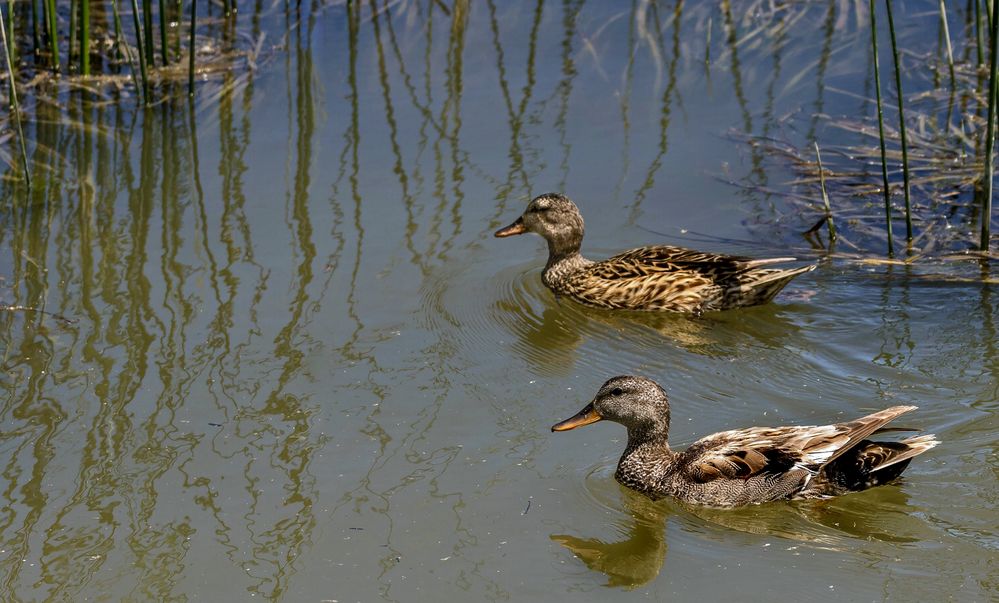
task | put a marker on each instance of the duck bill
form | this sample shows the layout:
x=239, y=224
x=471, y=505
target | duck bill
x=514, y=229
x=584, y=417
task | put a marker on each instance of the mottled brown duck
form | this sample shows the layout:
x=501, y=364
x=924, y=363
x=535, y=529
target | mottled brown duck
x=745, y=466
x=654, y=278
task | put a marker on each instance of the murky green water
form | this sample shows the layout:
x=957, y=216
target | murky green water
x=295, y=366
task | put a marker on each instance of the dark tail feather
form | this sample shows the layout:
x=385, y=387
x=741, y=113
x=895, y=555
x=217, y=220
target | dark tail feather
x=761, y=286
x=871, y=464
x=912, y=446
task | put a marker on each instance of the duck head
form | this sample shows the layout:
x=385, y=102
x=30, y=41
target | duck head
x=554, y=217
x=638, y=403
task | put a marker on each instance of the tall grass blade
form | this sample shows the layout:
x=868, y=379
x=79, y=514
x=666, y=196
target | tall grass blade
x=147, y=32
x=163, y=33
x=950, y=51
x=881, y=131
x=50, y=15
x=142, y=58
x=14, y=109
x=118, y=36
x=120, y=45
x=901, y=124
x=85, y=37
x=71, y=50
x=35, y=38
x=825, y=196
x=707, y=44
x=12, y=49
x=979, y=45
x=986, y=214
x=190, y=50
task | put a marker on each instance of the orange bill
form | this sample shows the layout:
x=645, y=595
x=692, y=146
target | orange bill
x=514, y=229
x=584, y=417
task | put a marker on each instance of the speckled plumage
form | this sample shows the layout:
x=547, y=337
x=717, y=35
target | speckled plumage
x=654, y=278
x=745, y=466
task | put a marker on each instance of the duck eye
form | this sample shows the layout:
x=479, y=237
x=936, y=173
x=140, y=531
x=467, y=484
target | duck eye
x=616, y=391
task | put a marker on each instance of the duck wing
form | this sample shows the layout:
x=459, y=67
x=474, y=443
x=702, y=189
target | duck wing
x=757, y=451
x=646, y=261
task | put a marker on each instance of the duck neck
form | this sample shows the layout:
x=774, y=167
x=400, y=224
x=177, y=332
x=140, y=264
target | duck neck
x=561, y=258
x=563, y=246
x=648, y=438
x=645, y=461
x=561, y=263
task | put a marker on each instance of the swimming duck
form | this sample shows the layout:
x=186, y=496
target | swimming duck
x=659, y=277
x=745, y=466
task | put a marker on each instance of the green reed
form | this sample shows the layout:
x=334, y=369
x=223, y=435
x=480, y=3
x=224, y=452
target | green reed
x=50, y=18
x=147, y=32
x=901, y=125
x=12, y=48
x=119, y=45
x=163, y=34
x=85, y=37
x=986, y=214
x=71, y=49
x=950, y=51
x=142, y=59
x=881, y=130
x=825, y=196
x=34, y=26
x=190, y=50
x=8, y=42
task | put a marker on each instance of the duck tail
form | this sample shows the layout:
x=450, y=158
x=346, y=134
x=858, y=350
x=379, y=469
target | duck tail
x=756, y=263
x=760, y=286
x=908, y=448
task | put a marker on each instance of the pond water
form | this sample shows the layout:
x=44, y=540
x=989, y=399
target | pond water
x=282, y=356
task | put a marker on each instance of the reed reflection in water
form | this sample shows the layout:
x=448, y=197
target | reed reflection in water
x=262, y=345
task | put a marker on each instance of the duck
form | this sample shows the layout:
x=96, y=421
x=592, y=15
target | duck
x=745, y=466
x=651, y=278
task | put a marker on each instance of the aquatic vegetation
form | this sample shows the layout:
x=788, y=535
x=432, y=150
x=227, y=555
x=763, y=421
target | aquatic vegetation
x=943, y=147
x=99, y=52
x=14, y=107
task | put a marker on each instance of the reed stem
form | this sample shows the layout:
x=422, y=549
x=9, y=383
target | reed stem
x=707, y=45
x=881, y=131
x=825, y=196
x=118, y=36
x=147, y=21
x=142, y=58
x=901, y=125
x=950, y=52
x=163, y=33
x=190, y=51
x=12, y=49
x=71, y=49
x=34, y=28
x=986, y=213
x=119, y=45
x=50, y=14
x=14, y=108
x=85, y=37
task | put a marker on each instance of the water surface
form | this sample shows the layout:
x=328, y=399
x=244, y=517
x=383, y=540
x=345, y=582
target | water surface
x=283, y=357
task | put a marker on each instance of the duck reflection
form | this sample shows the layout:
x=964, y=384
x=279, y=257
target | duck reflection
x=550, y=331
x=883, y=514
x=636, y=559
x=870, y=515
